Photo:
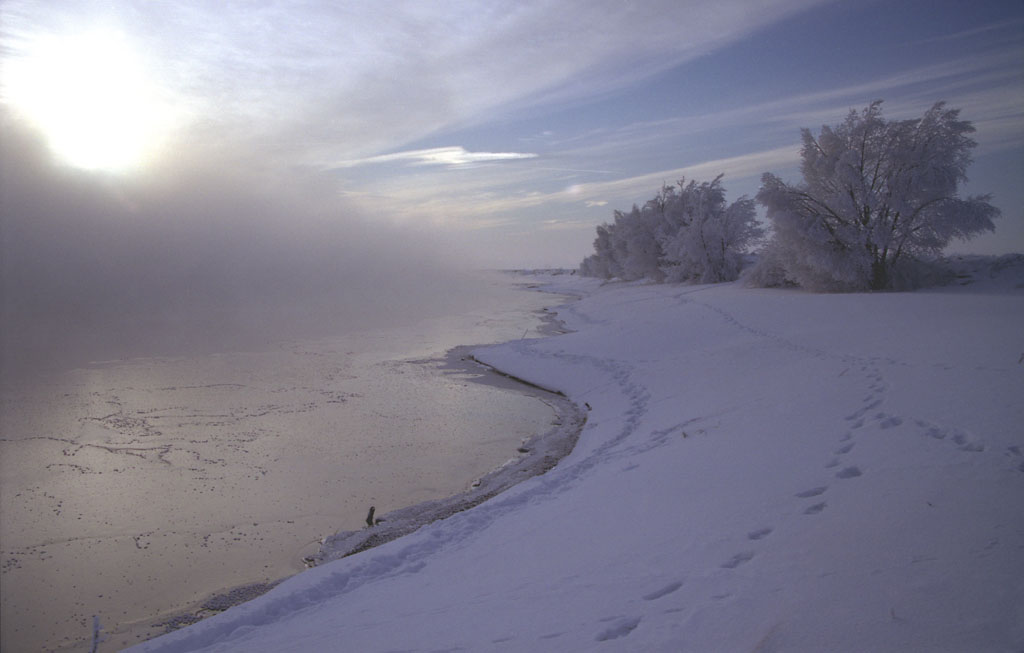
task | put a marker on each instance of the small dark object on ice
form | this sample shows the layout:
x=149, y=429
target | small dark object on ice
x=587, y=405
x=370, y=521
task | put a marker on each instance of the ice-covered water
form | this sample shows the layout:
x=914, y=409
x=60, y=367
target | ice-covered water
x=132, y=489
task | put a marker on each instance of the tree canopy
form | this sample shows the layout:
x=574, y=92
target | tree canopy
x=686, y=233
x=876, y=196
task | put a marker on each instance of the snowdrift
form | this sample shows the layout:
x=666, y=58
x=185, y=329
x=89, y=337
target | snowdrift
x=760, y=470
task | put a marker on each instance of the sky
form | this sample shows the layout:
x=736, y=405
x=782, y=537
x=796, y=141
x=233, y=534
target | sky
x=153, y=152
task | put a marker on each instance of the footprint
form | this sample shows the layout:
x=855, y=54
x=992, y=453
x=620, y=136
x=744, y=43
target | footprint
x=815, y=509
x=932, y=431
x=738, y=559
x=964, y=444
x=961, y=439
x=849, y=472
x=890, y=422
x=844, y=449
x=622, y=628
x=813, y=492
x=832, y=463
x=759, y=534
x=664, y=591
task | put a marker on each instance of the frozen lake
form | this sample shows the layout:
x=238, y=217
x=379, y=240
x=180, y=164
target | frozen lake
x=134, y=489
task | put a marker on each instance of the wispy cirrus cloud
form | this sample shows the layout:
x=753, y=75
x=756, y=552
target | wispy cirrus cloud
x=468, y=204
x=319, y=80
x=455, y=156
x=734, y=168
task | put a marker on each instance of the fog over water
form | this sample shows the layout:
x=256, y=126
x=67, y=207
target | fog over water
x=258, y=380
x=196, y=256
x=205, y=371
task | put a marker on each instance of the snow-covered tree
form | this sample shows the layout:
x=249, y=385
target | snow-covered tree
x=687, y=233
x=639, y=250
x=602, y=262
x=876, y=197
x=703, y=238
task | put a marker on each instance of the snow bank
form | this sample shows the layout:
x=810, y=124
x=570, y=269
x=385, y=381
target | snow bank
x=760, y=470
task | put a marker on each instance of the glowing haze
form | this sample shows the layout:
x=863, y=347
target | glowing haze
x=89, y=94
x=154, y=152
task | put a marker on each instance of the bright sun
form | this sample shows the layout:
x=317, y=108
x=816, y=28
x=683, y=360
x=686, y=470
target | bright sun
x=90, y=96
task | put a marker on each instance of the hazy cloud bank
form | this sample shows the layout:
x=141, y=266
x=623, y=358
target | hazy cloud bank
x=196, y=255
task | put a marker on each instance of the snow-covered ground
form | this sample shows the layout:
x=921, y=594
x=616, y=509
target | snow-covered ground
x=761, y=470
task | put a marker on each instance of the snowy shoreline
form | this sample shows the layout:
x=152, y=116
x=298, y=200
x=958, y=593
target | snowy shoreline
x=536, y=455
x=760, y=470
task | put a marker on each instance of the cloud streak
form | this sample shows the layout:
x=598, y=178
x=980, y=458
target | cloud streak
x=452, y=157
x=308, y=80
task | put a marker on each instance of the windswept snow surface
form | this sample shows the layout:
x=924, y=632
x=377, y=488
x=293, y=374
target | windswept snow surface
x=761, y=470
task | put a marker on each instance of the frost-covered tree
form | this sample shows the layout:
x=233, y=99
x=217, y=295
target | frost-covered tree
x=703, y=238
x=876, y=197
x=627, y=249
x=638, y=249
x=602, y=262
x=687, y=233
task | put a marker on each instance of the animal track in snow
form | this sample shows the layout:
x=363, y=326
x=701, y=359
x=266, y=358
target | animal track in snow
x=964, y=444
x=760, y=533
x=890, y=421
x=622, y=627
x=664, y=591
x=846, y=448
x=738, y=559
x=962, y=439
x=813, y=492
x=849, y=472
x=815, y=509
x=1014, y=451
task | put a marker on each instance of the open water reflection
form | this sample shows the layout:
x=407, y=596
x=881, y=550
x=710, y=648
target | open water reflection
x=133, y=489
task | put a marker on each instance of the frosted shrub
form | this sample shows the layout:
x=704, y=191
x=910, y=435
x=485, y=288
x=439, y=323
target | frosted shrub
x=686, y=233
x=703, y=237
x=877, y=196
x=637, y=246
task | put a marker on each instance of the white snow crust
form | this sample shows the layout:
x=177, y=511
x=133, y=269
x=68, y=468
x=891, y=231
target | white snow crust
x=760, y=470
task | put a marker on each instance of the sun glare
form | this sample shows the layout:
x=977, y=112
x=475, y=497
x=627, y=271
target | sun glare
x=91, y=98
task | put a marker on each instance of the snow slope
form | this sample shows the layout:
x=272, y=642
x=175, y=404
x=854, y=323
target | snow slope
x=761, y=470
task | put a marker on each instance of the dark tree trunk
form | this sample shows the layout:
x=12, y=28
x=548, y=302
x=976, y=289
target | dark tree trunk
x=879, y=274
